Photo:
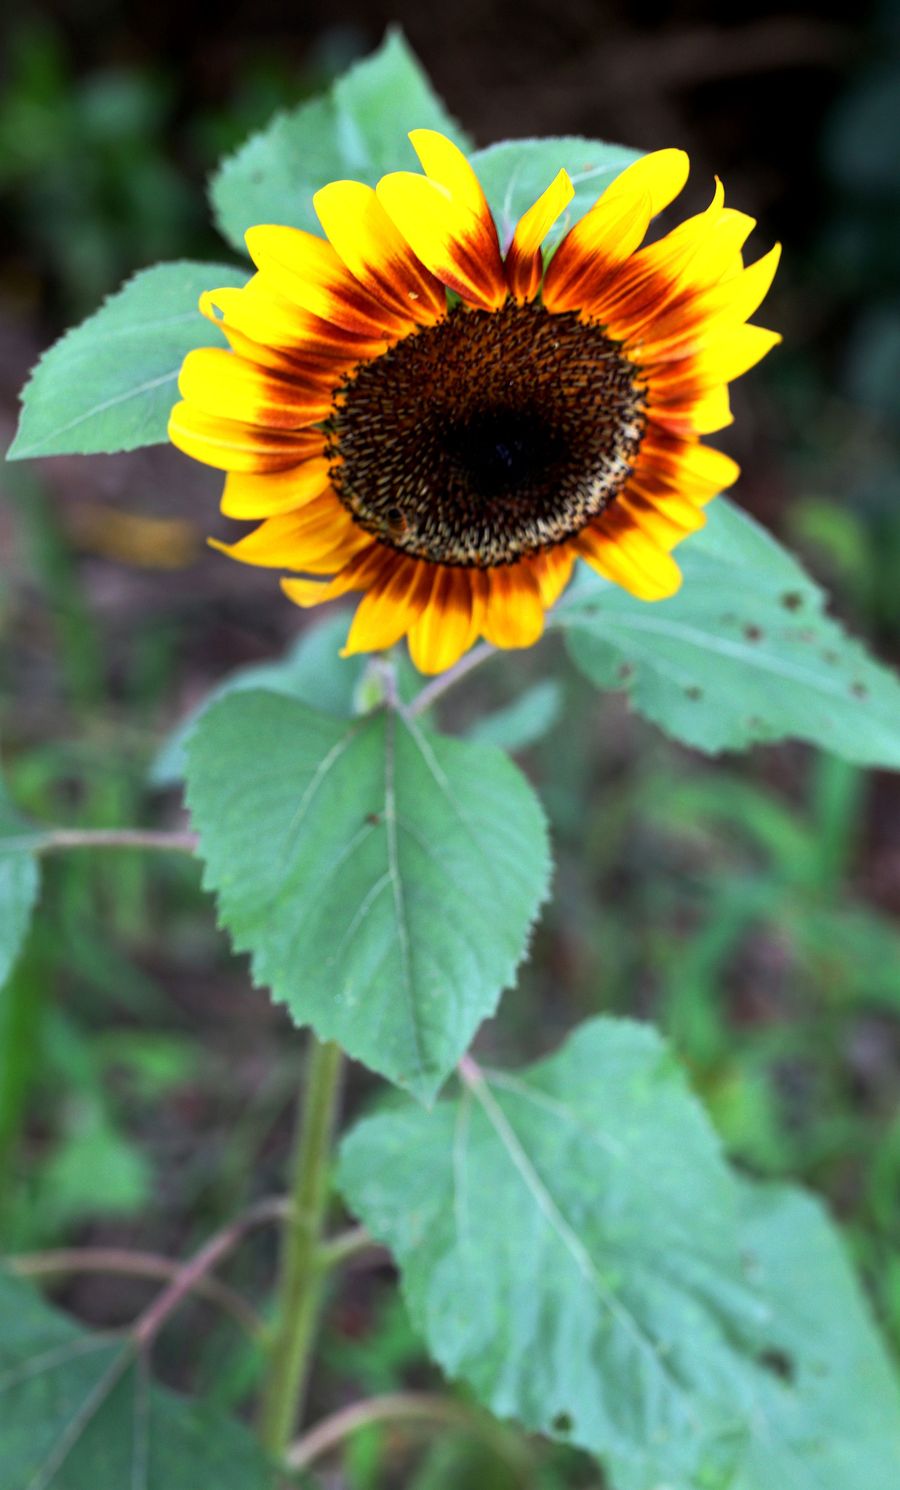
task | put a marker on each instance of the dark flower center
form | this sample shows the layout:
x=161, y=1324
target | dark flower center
x=488, y=437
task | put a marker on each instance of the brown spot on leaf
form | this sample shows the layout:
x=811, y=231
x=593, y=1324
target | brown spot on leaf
x=693, y=692
x=625, y=672
x=753, y=633
x=859, y=690
x=779, y=1363
x=792, y=600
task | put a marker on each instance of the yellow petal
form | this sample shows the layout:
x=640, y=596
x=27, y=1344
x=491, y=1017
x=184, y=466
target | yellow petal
x=307, y=270
x=376, y=253
x=524, y=264
x=688, y=414
x=687, y=464
x=355, y=575
x=249, y=496
x=733, y=354
x=443, y=631
x=607, y=235
x=552, y=572
x=709, y=310
x=622, y=553
x=258, y=311
x=515, y=612
x=451, y=241
x=297, y=540
x=666, y=520
x=445, y=163
x=221, y=383
x=390, y=607
x=230, y=445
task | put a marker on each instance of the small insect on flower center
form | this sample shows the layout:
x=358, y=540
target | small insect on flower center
x=488, y=437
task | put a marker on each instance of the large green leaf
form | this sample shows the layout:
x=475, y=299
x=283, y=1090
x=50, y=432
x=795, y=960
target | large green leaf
x=110, y=383
x=742, y=654
x=515, y=172
x=79, y=1412
x=383, y=879
x=358, y=129
x=567, y=1242
x=827, y=1413
x=19, y=882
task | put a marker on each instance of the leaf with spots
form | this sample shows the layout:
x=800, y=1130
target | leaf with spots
x=572, y=1245
x=828, y=1399
x=743, y=654
x=79, y=1412
x=568, y=1246
x=383, y=879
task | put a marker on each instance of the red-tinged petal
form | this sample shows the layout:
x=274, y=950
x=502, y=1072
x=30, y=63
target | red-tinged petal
x=620, y=552
x=443, y=631
x=230, y=445
x=524, y=261
x=308, y=271
x=514, y=616
x=607, y=235
x=377, y=254
x=219, y=383
x=460, y=248
x=391, y=605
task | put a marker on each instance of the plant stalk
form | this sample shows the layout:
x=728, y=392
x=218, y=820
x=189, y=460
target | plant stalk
x=301, y=1274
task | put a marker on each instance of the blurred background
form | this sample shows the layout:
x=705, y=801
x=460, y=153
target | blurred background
x=747, y=904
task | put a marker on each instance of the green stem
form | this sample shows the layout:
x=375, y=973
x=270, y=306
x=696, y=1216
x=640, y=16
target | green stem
x=301, y=1278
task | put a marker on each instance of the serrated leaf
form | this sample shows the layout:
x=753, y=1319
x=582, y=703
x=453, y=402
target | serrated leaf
x=79, y=1412
x=743, y=654
x=383, y=879
x=827, y=1399
x=19, y=882
x=515, y=172
x=567, y=1243
x=358, y=129
x=110, y=383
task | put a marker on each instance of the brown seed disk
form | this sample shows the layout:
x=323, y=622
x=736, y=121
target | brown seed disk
x=488, y=437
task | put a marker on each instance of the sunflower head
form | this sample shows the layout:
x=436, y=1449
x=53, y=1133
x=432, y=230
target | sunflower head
x=413, y=409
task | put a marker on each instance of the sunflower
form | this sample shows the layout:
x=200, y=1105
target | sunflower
x=413, y=409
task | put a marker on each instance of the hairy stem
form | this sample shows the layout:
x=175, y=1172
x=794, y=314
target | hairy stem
x=444, y=681
x=74, y=1260
x=409, y=1407
x=187, y=1279
x=66, y=838
x=302, y=1275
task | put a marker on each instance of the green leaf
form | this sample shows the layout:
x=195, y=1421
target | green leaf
x=515, y=172
x=827, y=1414
x=110, y=383
x=523, y=722
x=383, y=879
x=312, y=670
x=19, y=882
x=567, y=1242
x=80, y=1413
x=358, y=129
x=743, y=654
